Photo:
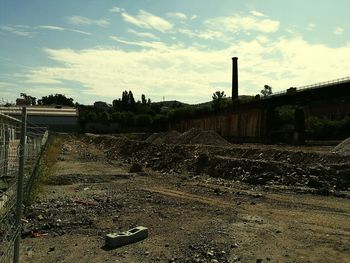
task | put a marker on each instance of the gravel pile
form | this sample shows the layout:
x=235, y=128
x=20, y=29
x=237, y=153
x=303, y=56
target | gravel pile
x=170, y=137
x=209, y=138
x=343, y=147
x=192, y=136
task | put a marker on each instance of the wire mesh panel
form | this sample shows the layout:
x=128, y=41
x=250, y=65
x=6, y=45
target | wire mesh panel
x=10, y=134
x=9, y=131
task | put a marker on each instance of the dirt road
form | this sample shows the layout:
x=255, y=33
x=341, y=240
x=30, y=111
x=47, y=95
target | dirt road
x=190, y=218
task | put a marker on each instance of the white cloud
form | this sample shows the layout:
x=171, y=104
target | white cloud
x=338, y=31
x=147, y=20
x=205, y=34
x=256, y=13
x=143, y=34
x=80, y=31
x=80, y=20
x=192, y=73
x=178, y=15
x=56, y=28
x=310, y=27
x=238, y=23
x=262, y=39
x=154, y=45
x=19, y=30
x=116, y=9
x=30, y=30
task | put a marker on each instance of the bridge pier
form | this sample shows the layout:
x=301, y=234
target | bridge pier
x=299, y=127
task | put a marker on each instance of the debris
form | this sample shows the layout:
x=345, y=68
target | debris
x=85, y=202
x=131, y=236
x=135, y=168
x=36, y=233
x=234, y=245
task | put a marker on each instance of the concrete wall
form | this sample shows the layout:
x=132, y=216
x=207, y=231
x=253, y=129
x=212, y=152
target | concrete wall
x=248, y=124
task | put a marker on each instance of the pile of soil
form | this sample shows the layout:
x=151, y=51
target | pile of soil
x=154, y=136
x=188, y=136
x=170, y=137
x=343, y=147
x=209, y=138
x=192, y=136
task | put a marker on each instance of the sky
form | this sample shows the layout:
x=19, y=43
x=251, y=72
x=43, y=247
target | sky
x=93, y=50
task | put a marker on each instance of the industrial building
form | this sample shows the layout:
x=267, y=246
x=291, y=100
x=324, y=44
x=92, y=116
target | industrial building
x=55, y=118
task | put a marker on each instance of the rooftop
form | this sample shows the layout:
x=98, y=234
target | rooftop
x=41, y=111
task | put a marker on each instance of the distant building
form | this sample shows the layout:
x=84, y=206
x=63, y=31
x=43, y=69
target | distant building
x=100, y=105
x=61, y=119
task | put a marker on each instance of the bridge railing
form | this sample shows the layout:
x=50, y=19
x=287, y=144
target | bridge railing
x=309, y=87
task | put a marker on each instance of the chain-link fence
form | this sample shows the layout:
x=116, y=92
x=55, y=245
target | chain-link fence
x=20, y=146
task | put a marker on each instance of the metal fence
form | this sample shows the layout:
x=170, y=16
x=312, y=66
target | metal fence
x=20, y=146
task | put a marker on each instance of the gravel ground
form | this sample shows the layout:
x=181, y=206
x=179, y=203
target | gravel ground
x=200, y=204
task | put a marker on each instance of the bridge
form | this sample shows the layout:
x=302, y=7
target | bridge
x=304, y=95
x=253, y=120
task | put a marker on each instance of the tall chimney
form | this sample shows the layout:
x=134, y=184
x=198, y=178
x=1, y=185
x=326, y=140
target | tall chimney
x=234, y=78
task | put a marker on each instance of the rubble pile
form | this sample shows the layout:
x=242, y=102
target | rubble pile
x=343, y=147
x=154, y=136
x=192, y=136
x=170, y=137
x=209, y=138
x=253, y=165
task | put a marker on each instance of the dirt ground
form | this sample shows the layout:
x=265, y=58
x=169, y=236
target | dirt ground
x=191, y=217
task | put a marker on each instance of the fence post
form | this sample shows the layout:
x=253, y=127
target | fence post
x=22, y=147
x=6, y=151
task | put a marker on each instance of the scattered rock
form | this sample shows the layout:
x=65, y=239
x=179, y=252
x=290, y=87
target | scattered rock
x=135, y=168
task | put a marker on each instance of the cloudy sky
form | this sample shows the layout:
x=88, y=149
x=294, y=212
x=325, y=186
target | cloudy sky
x=179, y=49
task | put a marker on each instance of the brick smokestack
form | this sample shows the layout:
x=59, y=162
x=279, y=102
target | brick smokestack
x=234, y=78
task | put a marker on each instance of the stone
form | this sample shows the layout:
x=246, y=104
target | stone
x=135, y=168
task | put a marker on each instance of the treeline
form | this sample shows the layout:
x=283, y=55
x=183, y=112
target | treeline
x=316, y=127
x=130, y=114
x=53, y=99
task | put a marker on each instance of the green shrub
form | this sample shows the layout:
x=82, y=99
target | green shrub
x=326, y=129
x=143, y=120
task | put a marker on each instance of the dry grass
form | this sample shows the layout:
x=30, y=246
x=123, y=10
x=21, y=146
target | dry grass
x=44, y=171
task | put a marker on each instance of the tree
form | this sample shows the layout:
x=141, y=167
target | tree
x=143, y=99
x=131, y=99
x=219, y=101
x=29, y=99
x=267, y=91
x=57, y=99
